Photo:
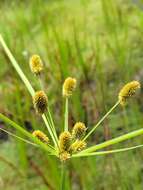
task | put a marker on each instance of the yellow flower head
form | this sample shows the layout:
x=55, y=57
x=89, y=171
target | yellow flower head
x=41, y=136
x=78, y=130
x=64, y=141
x=127, y=91
x=64, y=156
x=40, y=102
x=77, y=146
x=69, y=86
x=36, y=64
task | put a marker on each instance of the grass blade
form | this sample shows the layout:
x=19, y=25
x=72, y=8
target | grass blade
x=27, y=134
x=107, y=152
x=114, y=141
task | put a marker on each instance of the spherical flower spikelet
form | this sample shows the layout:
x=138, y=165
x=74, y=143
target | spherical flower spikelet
x=36, y=64
x=127, y=91
x=78, y=130
x=69, y=86
x=77, y=146
x=41, y=136
x=40, y=102
x=64, y=141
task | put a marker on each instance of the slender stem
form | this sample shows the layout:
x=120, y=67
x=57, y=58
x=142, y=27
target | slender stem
x=46, y=120
x=53, y=135
x=52, y=124
x=20, y=138
x=107, y=152
x=16, y=66
x=101, y=120
x=113, y=141
x=22, y=76
x=40, y=81
x=63, y=176
x=27, y=134
x=48, y=116
x=66, y=115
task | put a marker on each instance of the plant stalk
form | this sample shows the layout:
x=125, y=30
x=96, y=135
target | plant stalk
x=107, y=152
x=23, y=77
x=113, y=141
x=101, y=120
x=47, y=147
x=63, y=176
x=66, y=115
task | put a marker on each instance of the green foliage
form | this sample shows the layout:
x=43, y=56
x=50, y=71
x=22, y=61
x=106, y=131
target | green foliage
x=98, y=42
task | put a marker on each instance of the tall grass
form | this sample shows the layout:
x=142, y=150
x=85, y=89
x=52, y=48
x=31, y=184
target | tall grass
x=107, y=55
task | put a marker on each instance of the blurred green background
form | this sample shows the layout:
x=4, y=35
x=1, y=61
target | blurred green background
x=99, y=42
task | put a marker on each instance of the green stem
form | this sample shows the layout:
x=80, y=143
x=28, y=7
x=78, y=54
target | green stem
x=20, y=138
x=113, y=141
x=16, y=66
x=52, y=125
x=46, y=120
x=63, y=176
x=101, y=120
x=23, y=77
x=66, y=115
x=107, y=152
x=48, y=116
x=27, y=134
x=54, y=137
x=40, y=81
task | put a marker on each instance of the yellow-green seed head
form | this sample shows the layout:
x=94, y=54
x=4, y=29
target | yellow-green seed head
x=127, y=91
x=41, y=136
x=64, y=141
x=40, y=102
x=78, y=130
x=77, y=146
x=36, y=64
x=64, y=156
x=69, y=86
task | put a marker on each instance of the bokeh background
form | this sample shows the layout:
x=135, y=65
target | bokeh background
x=99, y=42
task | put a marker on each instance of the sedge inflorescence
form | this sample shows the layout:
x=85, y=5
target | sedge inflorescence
x=69, y=86
x=70, y=143
x=36, y=64
x=127, y=91
x=41, y=136
x=40, y=101
x=78, y=130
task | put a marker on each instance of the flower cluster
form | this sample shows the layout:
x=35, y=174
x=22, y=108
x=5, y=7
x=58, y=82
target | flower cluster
x=70, y=143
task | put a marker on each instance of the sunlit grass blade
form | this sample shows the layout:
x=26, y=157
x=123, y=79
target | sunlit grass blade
x=24, y=79
x=66, y=115
x=114, y=141
x=107, y=152
x=101, y=120
x=20, y=138
x=16, y=66
x=52, y=125
x=27, y=134
x=49, y=116
x=63, y=176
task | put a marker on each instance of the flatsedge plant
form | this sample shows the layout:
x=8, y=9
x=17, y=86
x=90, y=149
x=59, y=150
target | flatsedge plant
x=69, y=144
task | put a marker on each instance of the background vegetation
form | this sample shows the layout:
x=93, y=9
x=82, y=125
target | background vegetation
x=100, y=43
